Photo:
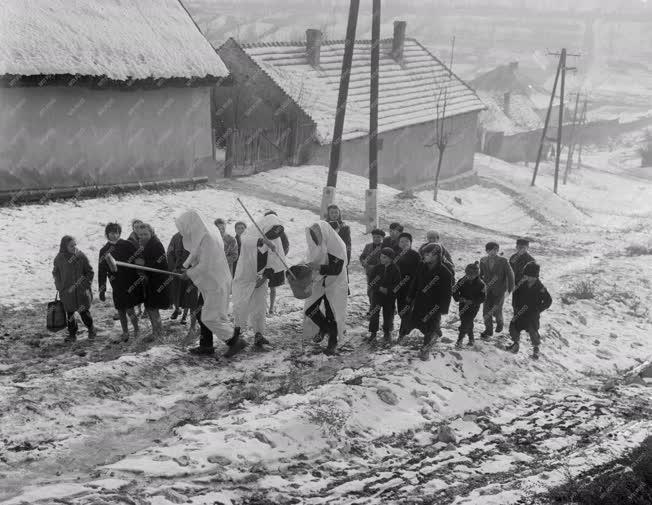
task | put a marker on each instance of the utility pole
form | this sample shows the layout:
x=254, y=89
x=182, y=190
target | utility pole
x=328, y=195
x=371, y=202
x=582, y=122
x=560, y=76
x=571, y=140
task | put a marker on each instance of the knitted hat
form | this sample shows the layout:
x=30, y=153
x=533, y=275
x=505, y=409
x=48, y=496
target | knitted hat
x=532, y=269
x=388, y=251
x=472, y=268
x=378, y=231
x=522, y=241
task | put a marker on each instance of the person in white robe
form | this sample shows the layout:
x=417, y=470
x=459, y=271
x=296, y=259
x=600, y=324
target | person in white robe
x=325, y=310
x=258, y=262
x=208, y=269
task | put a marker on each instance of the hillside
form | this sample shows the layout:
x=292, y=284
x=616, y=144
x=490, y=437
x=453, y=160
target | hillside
x=106, y=423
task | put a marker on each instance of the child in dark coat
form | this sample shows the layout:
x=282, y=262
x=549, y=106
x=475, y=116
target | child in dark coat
x=470, y=293
x=430, y=297
x=73, y=277
x=125, y=282
x=383, y=282
x=530, y=299
x=370, y=256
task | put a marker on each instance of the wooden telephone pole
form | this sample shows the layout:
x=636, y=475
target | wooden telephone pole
x=582, y=122
x=559, y=76
x=371, y=202
x=328, y=195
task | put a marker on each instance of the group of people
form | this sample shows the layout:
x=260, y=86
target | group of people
x=419, y=285
x=204, y=268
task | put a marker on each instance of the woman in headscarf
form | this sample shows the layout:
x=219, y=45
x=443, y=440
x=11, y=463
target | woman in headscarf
x=328, y=257
x=73, y=277
x=157, y=286
x=208, y=269
x=278, y=278
x=257, y=265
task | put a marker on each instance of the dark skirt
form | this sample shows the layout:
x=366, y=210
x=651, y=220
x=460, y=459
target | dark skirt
x=277, y=279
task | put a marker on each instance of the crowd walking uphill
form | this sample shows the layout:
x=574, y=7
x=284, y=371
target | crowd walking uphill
x=204, y=270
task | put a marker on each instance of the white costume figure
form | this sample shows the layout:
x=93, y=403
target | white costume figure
x=250, y=288
x=334, y=288
x=208, y=269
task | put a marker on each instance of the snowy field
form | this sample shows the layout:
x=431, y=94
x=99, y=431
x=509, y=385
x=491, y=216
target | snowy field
x=102, y=423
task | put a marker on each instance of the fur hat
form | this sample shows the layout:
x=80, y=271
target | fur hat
x=388, y=251
x=472, y=268
x=522, y=241
x=378, y=231
x=532, y=269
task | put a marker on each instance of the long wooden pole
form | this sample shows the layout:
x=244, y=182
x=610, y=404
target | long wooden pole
x=345, y=76
x=561, y=117
x=571, y=140
x=371, y=202
x=546, y=123
x=582, y=122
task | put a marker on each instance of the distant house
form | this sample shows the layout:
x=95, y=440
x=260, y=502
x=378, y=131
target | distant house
x=103, y=92
x=283, y=100
x=511, y=126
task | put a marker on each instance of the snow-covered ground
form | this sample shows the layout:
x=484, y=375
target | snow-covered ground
x=101, y=423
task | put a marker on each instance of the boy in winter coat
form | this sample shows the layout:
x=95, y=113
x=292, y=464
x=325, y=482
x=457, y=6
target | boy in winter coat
x=125, y=282
x=384, y=279
x=530, y=299
x=230, y=244
x=334, y=218
x=520, y=258
x=407, y=260
x=498, y=278
x=73, y=278
x=370, y=256
x=470, y=293
x=430, y=296
x=395, y=229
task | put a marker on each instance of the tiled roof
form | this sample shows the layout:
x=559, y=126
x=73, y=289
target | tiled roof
x=407, y=91
x=122, y=40
x=522, y=114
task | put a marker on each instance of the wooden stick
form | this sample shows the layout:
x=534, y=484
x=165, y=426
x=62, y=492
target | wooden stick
x=147, y=269
x=263, y=235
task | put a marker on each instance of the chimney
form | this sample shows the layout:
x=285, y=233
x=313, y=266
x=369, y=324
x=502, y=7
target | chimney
x=513, y=65
x=313, y=46
x=399, y=40
x=507, y=102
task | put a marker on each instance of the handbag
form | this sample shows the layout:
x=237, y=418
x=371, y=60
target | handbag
x=56, y=315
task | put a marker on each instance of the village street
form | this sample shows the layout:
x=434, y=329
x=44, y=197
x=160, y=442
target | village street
x=99, y=422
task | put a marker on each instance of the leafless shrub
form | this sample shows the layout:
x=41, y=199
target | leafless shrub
x=582, y=290
x=329, y=417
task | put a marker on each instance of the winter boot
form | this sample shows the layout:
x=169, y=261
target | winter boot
x=387, y=339
x=116, y=316
x=236, y=335
x=499, y=327
x=175, y=313
x=486, y=335
x=401, y=338
x=72, y=337
x=535, y=353
x=471, y=340
x=237, y=345
x=92, y=333
x=260, y=341
x=424, y=354
x=134, y=322
x=513, y=348
x=371, y=338
x=332, y=341
x=202, y=351
x=460, y=342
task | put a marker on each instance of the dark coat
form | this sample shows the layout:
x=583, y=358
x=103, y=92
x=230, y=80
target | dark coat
x=183, y=292
x=391, y=243
x=446, y=256
x=371, y=254
x=388, y=277
x=528, y=302
x=430, y=292
x=407, y=262
x=517, y=262
x=157, y=286
x=344, y=231
x=499, y=277
x=470, y=293
x=125, y=282
x=73, y=278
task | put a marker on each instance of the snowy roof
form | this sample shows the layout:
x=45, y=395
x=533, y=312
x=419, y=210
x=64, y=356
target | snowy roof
x=119, y=39
x=407, y=91
x=502, y=79
x=522, y=113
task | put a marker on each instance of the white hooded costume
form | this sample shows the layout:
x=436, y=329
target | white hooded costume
x=249, y=301
x=208, y=269
x=334, y=287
